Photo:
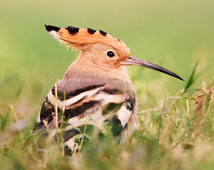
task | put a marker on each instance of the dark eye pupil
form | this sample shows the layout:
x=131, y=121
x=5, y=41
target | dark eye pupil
x=110, y=53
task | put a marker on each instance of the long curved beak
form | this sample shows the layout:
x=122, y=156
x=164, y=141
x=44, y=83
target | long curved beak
x=139, y=62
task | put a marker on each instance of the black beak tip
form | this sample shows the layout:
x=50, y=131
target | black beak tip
x=181, y=79
x=178, y=77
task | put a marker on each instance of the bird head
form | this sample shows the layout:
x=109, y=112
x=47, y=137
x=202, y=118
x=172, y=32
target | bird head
x=101, y=48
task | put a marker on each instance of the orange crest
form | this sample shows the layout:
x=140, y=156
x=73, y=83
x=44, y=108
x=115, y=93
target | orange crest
x=81, y=39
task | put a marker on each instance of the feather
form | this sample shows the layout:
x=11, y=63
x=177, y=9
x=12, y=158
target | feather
x=80, y=38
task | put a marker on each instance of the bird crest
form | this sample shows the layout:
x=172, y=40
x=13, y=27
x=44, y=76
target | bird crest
x=82, y=39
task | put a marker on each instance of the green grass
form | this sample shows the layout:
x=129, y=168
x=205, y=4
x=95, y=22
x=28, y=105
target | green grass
x=173, y=132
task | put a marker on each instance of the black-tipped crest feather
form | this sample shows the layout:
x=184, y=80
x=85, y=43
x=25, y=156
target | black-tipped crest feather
x=51, y=28
x=72, y=30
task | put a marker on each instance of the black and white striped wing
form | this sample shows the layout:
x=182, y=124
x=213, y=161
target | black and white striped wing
x=84, y=102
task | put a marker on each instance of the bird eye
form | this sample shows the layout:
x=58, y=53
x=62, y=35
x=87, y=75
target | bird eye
x=110, y=53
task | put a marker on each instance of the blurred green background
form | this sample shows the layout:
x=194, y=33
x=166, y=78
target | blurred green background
x=173, y=34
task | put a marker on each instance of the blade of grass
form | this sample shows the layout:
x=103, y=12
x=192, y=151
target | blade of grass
x=4, y=121
x=7, y=79
x=191, y=79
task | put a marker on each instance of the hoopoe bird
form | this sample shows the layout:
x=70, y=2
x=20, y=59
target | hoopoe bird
x=96, y=89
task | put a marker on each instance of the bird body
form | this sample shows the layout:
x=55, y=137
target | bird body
x=96, y=89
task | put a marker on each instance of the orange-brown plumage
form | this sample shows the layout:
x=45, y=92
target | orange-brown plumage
x=82, y=40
